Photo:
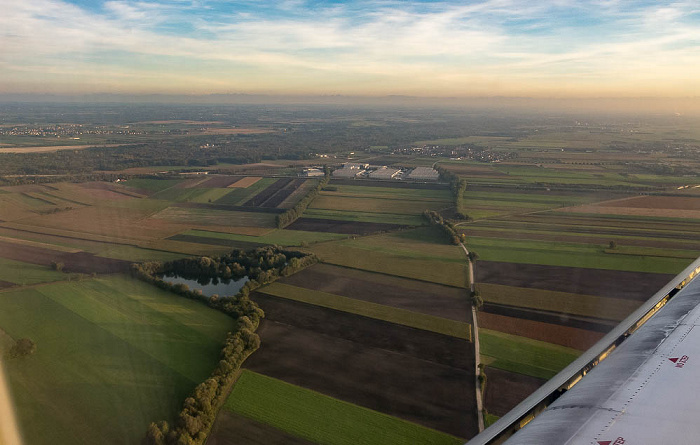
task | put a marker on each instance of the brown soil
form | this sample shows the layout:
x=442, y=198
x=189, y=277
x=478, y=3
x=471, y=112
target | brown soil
x=5, y=284
x=234, y=429
x=418, y=390
x=424, y=345
x=279, y=197
x=81, y=262
x=340, y=226
x=657, y=202
x=219, y=182
x=605, y=283
x=561, y=335
x=267, y=193
x=404, y=293
x=550, y=317
x=504, y=390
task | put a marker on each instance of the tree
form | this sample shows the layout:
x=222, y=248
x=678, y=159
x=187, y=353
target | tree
x=613, y=244
x=477, y=301
x=57, y=266
x=22, y=348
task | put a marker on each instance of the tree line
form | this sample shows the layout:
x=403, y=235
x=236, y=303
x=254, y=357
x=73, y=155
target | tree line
x=447, y=227
x=458, y=186
x=291, y=215
x=262, y=266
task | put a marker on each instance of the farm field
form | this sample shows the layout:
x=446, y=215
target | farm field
x=420, y=254
x=523, y=355
x=21, y=273
x=279, y=237
x=401, y=376
x=412, y=295
x=322, y=419
x=371, y=310
x=108, y=358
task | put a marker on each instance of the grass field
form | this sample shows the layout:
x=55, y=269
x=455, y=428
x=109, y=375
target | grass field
x=24, y=273
x=361, y=191
x=205, y=217
x=566, y=303
x=376, y=205
x=523, y=355
x=113, y=354
x=322, y=419
x=420, y=253
x=372, y=310
x=152, y=185
x=351, y=215
x=279, y=237
x=571, y=254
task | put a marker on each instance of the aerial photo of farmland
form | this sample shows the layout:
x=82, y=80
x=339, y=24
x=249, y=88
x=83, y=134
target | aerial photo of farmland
x=347, y=222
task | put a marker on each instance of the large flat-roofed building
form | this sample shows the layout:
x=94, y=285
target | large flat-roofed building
x=384, y=173
x=351, y=165
x=424, y=174
x=312, y=172
x=347, y=172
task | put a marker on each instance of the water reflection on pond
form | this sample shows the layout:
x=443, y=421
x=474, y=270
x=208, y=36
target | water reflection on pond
x=210, y=286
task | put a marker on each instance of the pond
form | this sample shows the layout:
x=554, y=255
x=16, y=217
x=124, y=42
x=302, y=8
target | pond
x=223, y=288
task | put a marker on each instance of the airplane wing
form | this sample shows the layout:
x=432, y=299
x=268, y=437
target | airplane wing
x=639, y=385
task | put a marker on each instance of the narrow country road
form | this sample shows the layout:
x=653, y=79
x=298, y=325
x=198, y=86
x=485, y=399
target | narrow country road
x=477, y=361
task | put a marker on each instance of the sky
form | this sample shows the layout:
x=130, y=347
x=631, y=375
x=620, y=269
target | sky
x=491, y=48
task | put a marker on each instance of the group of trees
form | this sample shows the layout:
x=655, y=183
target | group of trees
x=447, y=227
x=22, y=348
x=458, y=186
x=291, y=215
x=262, y=266
x=199, y=410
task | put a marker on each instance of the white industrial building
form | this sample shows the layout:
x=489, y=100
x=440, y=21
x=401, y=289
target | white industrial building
x=312, y=172
x=384, y=173
x=347, y=172
x=424, y=174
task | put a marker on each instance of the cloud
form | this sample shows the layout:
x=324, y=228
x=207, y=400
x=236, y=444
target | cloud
x=392, y=46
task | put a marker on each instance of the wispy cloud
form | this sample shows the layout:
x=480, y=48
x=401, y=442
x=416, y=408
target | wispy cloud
x=361, y=47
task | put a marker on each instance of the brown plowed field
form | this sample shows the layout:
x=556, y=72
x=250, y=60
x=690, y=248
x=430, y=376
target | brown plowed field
x=82, y=262
x=561, y=335
x=506, y=389
x=605, y=283
x=404, y=293
x=421, y=391
x=340, y=226
x=219, y=181
x=279, y=197
x=234, y=429
x=6, y=284
x=418, y=343
x=657, y=202
x=549, y=317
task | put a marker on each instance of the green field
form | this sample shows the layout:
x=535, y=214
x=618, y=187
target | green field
x=362, y=191
x=113, y=354
x=555, y=253
x=152, y=185
x=279, y=237
x=327, y=201
x=421, y=254
x=24, y=273
x=322, y=419
x=206, y=217
x=351, y=215
x=523, y=355
x=371, y=310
